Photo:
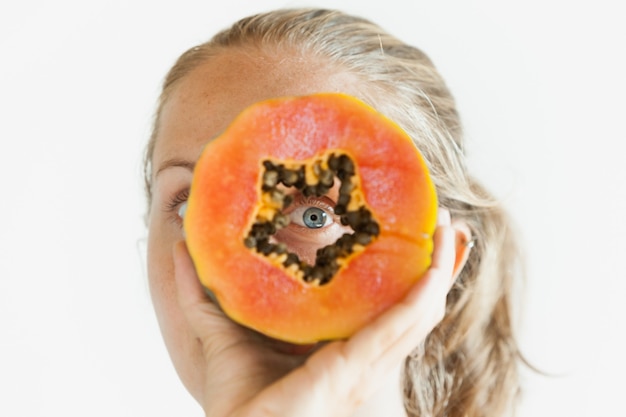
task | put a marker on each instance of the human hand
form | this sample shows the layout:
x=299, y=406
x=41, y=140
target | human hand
x=247, y=374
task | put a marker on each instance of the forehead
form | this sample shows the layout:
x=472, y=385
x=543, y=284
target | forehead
x=207, y=99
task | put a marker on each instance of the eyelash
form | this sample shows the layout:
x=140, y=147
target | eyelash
x=301, y=200
x=173, y=204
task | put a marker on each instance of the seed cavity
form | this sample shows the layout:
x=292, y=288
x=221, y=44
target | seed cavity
x=312, y=178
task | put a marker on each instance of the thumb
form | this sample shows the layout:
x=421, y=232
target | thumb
x=201, y=314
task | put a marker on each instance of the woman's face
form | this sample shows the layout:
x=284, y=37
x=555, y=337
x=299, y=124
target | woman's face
x=200, y=107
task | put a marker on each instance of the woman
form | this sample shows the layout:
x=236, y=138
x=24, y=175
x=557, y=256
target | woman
x=447, y=350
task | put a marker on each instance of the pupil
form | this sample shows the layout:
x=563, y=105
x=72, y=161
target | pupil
x=314, y=217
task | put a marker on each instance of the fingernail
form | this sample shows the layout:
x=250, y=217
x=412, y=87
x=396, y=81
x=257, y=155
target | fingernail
x=443, y=217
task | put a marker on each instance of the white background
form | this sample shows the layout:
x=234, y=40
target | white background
x=539, y=85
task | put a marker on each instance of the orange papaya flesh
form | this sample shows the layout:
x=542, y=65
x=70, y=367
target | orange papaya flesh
x=237, y=200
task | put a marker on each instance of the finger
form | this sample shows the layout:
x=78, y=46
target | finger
x=444, y=254
x=191, y=296
x=190, y=292
x=443, y=217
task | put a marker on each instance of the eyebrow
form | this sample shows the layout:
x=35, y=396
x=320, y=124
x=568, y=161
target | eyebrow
x=175, y=162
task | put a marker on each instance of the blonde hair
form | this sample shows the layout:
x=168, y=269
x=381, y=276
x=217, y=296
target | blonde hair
x=468, y=366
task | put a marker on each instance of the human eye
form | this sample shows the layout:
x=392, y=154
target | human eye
x=176, y=205
x=312, y=212
x=311, y=217
x=312, y=225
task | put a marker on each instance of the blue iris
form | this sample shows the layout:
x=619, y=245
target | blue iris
x=314, y=217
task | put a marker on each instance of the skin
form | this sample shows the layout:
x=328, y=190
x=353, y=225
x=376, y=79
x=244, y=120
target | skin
x=232, y=371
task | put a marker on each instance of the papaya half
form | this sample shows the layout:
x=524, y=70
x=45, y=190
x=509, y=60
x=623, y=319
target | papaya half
x=243, y=189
